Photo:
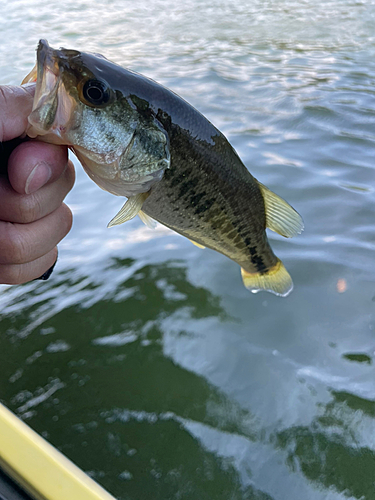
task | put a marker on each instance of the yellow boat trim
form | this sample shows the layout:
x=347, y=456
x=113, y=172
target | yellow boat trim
x=39, y=468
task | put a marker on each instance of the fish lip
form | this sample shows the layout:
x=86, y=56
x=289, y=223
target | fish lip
x=45, y=98
x=43, y=55
x=42, y=52
x=51, y=105
x=47, y=67
x=44, y=58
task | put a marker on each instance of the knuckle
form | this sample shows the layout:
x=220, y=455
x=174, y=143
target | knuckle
x=68, y=216
x=69, y=176
x=64, y=218
x=28, y=208
x=14, y=274
x=11, y=275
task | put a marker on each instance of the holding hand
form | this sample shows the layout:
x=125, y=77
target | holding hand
x=33, y=217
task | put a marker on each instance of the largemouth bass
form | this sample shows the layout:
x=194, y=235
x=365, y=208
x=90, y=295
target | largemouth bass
x=135, y=138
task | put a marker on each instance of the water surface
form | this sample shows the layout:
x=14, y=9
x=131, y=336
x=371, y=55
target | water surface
x=143, y=358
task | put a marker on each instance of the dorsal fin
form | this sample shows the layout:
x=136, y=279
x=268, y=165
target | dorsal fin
x=280, y=216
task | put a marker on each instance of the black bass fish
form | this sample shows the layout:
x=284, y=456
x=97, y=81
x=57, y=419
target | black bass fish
x=136, y=138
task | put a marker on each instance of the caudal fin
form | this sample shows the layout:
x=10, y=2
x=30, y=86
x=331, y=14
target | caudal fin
x=277, y=280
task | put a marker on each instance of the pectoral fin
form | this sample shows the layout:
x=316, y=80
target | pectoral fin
x=280, y=216
x=129, y=210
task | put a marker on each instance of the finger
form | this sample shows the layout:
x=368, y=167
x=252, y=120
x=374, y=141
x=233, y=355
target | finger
x=15, y=105
x=26, y=208
x=21, y=273
x=22, y=243
x=33, y=164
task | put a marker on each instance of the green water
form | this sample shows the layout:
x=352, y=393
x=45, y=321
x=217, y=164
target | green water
x=143, y=358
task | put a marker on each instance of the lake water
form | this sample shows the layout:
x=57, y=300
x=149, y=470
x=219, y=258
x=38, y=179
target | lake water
x=143, y=358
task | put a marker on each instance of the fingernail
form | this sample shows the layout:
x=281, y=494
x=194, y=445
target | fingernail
x=39, y=176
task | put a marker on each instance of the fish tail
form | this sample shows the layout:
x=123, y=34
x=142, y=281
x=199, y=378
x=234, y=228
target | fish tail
x=276, y=280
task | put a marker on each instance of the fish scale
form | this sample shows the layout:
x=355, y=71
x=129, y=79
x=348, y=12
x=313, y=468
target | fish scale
x=216, y=230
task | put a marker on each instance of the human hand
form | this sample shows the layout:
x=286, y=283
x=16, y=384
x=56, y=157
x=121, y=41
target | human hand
x=33, y=217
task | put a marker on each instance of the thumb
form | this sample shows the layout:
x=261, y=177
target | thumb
x=15, y=106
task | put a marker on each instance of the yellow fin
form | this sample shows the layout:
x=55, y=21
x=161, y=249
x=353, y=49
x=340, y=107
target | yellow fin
x=197, y=244
x=277, y=280
x=146, y=219
x=280, y=216
x=129, y=210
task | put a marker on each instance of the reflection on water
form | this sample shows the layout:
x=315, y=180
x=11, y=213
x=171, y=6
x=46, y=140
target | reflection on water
x=143, y=357
x=111, y=352
x=333, y=451
x=102, y=387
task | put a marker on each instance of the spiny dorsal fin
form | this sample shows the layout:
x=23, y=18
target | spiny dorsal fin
x=129, y=210
x=280, y=216
x=146, y=219
x=276, y=280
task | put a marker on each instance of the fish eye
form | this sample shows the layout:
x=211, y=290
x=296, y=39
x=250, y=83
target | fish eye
x=96, y=92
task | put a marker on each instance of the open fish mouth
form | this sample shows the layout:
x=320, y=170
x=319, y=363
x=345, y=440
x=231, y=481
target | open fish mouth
x=52, y=106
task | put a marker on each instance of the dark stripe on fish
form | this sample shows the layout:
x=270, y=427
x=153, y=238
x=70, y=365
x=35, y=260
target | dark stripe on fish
x=187, y=186
x=206, y=205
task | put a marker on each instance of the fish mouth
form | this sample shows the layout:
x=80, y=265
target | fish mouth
x=52, y=106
